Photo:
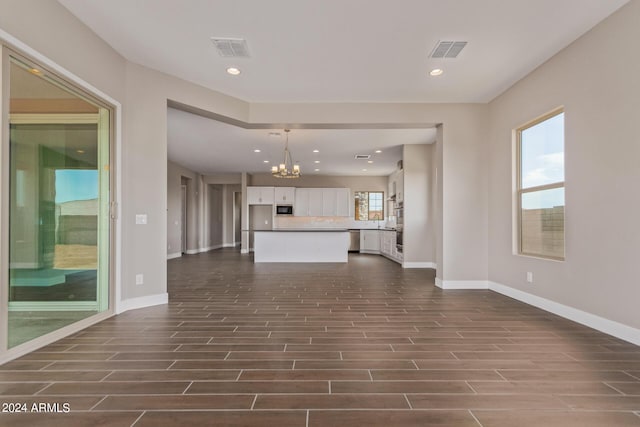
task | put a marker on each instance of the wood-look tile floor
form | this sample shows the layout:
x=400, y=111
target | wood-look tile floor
x=359, y=344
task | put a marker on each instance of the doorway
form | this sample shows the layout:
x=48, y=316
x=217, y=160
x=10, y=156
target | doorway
x=59, y=228
x=183, y=219
x=237, y=215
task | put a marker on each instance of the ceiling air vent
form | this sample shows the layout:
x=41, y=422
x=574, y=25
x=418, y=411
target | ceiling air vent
x=231, y=48
x=363, y=156
x=447, y=49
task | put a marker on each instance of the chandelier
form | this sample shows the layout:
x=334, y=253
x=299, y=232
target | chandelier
x=286, y=169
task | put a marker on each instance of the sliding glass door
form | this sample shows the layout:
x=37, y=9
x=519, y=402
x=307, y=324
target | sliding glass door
x=59, y=175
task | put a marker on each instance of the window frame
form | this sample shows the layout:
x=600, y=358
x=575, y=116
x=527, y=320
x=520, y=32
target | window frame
x=520, y=192
x=356, y=210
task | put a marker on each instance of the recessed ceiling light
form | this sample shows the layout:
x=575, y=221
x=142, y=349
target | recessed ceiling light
x=364, y=170
x=317, y=161
x=316, y=151
x=80, y=151
x=436, y=71
x=378, y=151
x=265, y=161
x=233, y=71
x=370, y=161
x=256, y=151
x=317, y=170
x=274, y=134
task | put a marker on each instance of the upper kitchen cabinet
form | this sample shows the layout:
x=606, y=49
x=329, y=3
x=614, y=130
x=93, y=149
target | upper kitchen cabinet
x=301, y=202
x=284, y=195
x=316, y=201
x=260, y=195
x=321, y=202
x=343, y=202
x=400, y=186
x=396, y=185
x=329, y=199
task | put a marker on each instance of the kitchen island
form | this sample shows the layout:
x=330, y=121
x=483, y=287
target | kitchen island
x=301, y=245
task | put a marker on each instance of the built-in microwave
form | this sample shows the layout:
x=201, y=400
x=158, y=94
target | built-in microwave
x=284, y=210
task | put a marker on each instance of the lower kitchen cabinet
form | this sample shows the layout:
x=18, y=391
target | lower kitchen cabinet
x=370, y=241
x=388, y=246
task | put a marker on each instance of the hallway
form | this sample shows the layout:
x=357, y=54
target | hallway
x=360, y=344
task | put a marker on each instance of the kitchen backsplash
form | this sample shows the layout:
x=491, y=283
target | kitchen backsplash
x=327, y=222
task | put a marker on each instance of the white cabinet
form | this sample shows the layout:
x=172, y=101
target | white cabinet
x=308, y=202
x=396, y=185
x=343, y=202
x=329, y=201
x=388, y=246
x=284, y=195
x=370, y=241
x=260, y=195
x=385, y=242
x=400, y=186
x=301, y=204
x=315, y=202
x=321, y=202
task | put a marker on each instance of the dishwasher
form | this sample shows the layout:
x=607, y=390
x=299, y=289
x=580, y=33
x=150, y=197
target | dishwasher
x=354, y=240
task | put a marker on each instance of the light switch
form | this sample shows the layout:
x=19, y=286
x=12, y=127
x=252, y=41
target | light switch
x=141, y=218
x=139, y=279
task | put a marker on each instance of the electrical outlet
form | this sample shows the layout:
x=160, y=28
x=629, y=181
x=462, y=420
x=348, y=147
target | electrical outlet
x=141, y=219
x=139, y=279
x=529, y=277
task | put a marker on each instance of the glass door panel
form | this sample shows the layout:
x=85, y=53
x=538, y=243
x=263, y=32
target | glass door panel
x=58, y=219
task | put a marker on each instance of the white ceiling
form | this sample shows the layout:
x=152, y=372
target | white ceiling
x=333, y=51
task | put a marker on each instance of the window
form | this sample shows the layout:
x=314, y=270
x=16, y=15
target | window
x=540, y=187
x=369, y=205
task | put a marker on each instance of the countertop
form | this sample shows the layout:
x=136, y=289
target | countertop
x=373, y=229
x=313, y=230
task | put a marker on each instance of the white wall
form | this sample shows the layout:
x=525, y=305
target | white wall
x=175, y=175
x=419, y=213
x=597, y=81
x=52, y=30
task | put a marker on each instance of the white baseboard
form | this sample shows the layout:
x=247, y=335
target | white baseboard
x=210, y=248
x=174, y=255
x=419, y=265
x=618, y=330
x=244, y=251
x=462, y=284
x=142, y=302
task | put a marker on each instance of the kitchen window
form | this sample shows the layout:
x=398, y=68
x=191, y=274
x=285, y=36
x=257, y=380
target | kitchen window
x=369, y=205
x=540, y=187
